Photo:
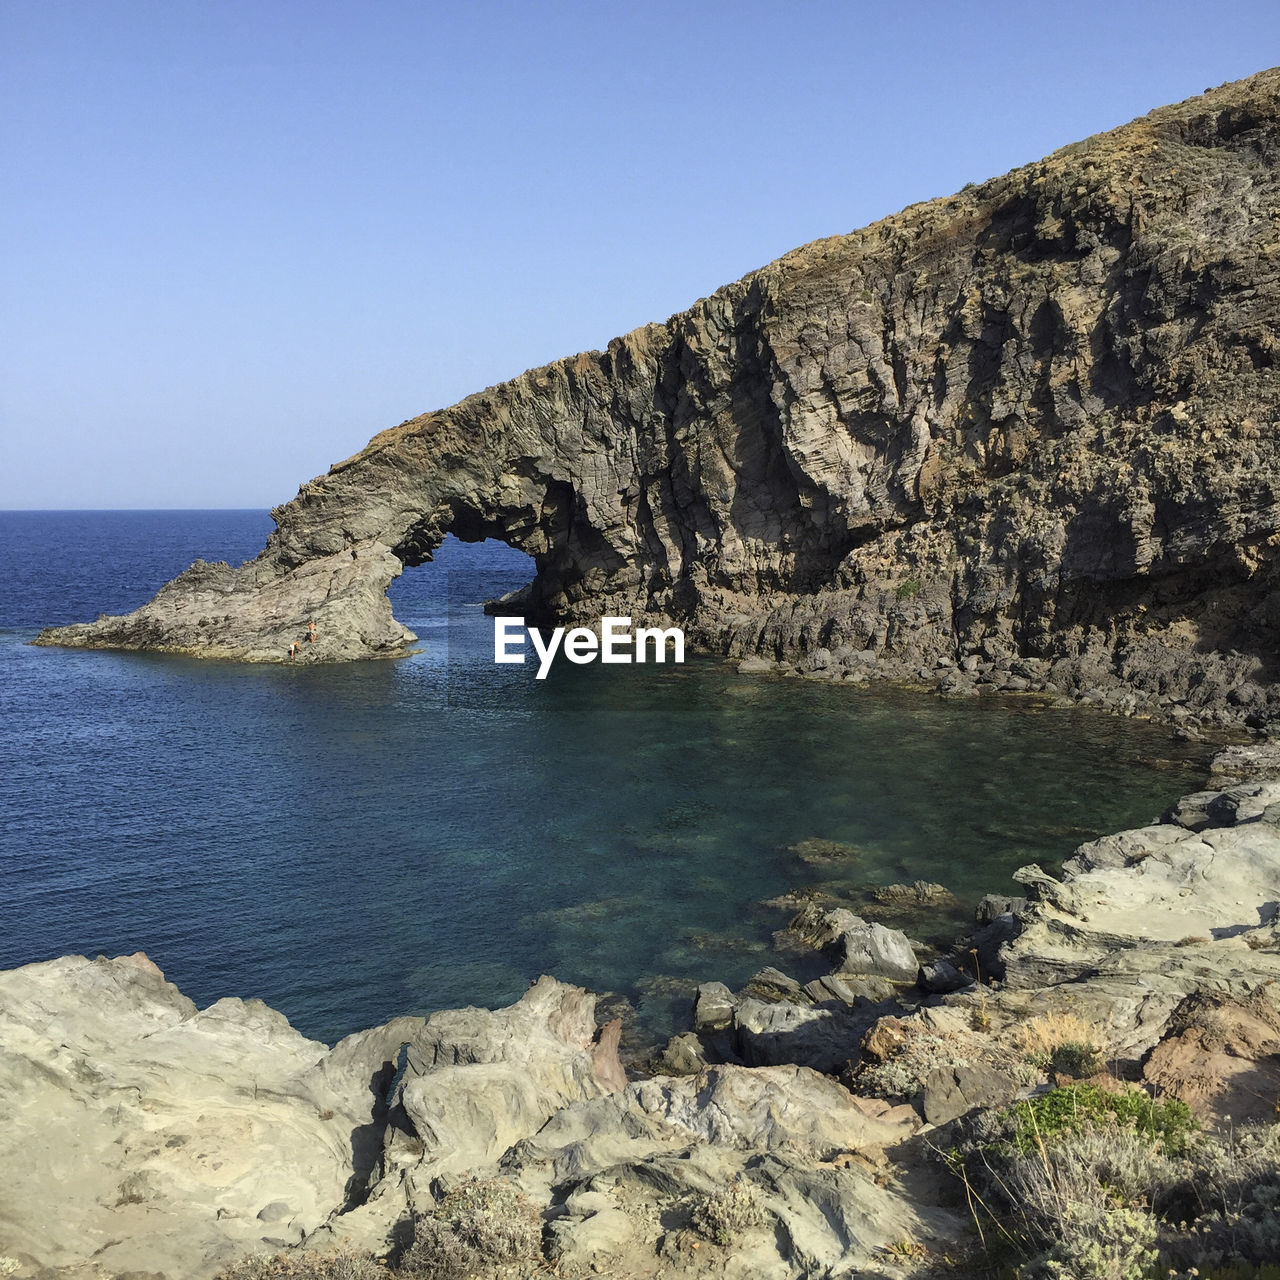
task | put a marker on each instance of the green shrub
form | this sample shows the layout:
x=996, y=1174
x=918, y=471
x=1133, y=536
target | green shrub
x=1076, y=1106
x=1074, y=1058
x=908, y=590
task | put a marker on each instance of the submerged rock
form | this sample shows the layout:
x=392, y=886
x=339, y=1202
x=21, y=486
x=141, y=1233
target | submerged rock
x=824, y=853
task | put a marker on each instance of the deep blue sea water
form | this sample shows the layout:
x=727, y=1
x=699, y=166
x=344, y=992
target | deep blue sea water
x=354, y=842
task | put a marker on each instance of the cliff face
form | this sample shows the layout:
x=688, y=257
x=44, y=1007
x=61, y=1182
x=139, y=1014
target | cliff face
x=1034, y=425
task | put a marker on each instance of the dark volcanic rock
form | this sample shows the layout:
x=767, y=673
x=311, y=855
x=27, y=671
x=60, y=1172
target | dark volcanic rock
x=1030, y=433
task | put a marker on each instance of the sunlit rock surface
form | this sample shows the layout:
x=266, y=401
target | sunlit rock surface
x=1029, y=430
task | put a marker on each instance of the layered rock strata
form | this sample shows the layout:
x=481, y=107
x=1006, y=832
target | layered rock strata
x=1031, y=430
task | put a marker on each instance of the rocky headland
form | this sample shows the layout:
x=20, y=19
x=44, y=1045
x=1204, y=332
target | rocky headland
x=1025, y=436
x=795, y=1130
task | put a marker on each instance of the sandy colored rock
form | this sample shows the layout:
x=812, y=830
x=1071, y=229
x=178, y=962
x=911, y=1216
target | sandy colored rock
x=149, y=1136
x=1221, y=1057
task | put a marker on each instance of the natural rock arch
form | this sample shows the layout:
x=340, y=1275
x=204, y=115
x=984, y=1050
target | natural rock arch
x=1034, y=423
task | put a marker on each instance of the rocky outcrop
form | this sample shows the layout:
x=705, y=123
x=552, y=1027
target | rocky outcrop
x=1144, y=920
x=143, y=1136
x=1026, y=435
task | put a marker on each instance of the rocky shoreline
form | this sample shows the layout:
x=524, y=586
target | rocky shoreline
x=1027, y=435
x=793, y=1131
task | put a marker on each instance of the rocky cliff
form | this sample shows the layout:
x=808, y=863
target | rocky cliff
x=1036, y=423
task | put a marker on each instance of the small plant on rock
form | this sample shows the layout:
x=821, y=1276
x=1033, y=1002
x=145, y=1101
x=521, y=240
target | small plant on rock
x=481, y=1225
x=305, y=1265
x=1076, y=1058
x=722, y=1216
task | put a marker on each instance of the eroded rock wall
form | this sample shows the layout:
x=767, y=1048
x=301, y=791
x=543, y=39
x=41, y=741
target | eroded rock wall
x=1037, y=420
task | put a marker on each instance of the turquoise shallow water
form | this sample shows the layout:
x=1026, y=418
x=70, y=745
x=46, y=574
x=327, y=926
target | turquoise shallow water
x=349, y=843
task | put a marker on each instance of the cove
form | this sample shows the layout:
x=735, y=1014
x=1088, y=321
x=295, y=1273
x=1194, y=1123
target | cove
x=354, y=842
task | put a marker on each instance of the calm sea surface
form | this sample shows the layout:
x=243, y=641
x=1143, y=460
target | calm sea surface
x=350, y=843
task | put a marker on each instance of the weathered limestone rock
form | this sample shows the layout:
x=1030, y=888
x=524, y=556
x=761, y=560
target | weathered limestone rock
x=1144, y=918
x=1026, y=436
x=152, y=1137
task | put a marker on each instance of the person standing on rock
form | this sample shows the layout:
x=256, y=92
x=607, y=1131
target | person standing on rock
x=293, y=650
x=311, y=631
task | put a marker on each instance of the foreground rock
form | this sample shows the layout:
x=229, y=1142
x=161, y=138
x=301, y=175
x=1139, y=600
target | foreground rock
x=145, y=1137
x=141, y=1134
x=1021, y=438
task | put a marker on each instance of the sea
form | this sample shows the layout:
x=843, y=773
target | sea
x=352, y=842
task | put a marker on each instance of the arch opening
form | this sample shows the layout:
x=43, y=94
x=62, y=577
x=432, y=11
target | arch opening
x=460, y=573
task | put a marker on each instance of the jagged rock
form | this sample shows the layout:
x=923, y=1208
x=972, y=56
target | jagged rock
x=477, y=1081
x=994, y=905
x=920, y=893
x=1042, y=887
x=1244, y=802
x=684, y=1055
x=871, y=949
x=950, y=1092
x=822, y=1037
x=1029, y=429
x=854, y=945
x=1254, y=761
x=848, y=988
x=1153, y=915
x=713, y=1007
x=772, y=984
x=941, y=976
x=155, y=1137
x=778, y=1108
x=1192, y=811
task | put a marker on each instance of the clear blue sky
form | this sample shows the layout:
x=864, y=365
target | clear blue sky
x=241, y=237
